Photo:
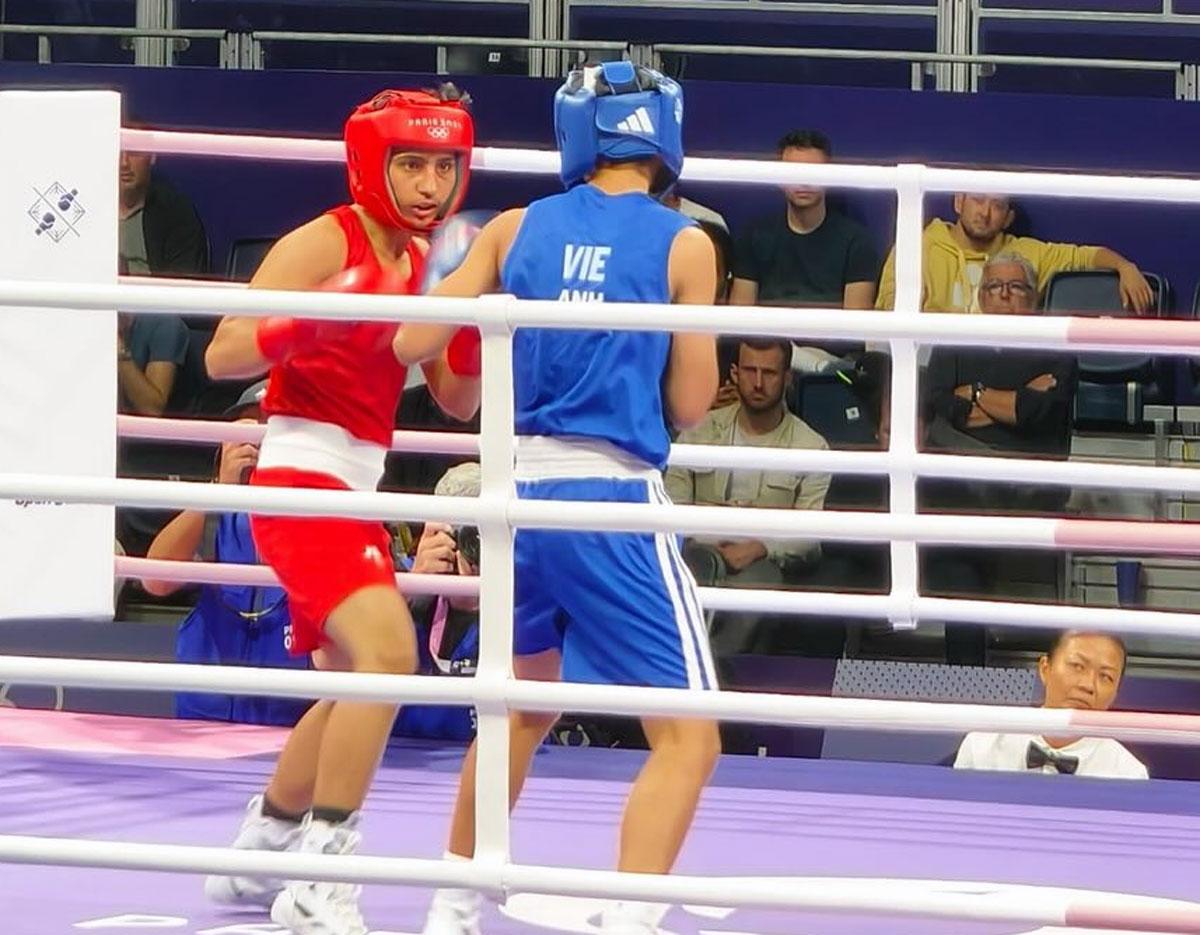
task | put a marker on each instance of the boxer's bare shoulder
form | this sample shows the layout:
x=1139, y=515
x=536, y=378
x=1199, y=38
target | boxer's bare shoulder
x=308, y=255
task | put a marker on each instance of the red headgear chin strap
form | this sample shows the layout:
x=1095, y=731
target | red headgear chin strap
x=399, y=121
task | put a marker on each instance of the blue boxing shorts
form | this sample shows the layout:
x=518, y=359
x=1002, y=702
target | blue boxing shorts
x=621, y=607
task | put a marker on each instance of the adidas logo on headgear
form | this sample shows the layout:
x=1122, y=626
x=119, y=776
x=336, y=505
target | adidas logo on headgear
x=637, y=122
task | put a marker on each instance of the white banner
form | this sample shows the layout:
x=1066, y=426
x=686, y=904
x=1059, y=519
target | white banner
x=59, y=153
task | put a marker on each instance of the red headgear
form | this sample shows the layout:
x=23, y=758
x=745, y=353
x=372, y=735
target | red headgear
x=400, y=121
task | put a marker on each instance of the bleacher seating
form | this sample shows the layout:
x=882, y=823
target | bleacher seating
x=1114, y=389
x=1187, y=369
x=245, y=255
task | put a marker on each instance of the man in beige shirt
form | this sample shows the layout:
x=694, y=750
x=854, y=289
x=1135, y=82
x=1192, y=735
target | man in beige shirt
x=759, y=418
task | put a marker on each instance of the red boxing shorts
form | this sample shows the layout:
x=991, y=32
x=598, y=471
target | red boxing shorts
x=320, y=561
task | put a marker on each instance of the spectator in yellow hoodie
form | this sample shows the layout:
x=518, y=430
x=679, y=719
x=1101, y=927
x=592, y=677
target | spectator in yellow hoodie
x=954, y=255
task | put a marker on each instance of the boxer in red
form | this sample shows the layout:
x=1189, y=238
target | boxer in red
x=330, y=404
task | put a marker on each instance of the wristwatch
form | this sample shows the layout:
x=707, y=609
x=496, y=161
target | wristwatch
x=976, y=391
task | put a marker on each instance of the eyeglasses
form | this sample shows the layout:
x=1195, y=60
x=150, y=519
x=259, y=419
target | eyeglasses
x=1017, y=287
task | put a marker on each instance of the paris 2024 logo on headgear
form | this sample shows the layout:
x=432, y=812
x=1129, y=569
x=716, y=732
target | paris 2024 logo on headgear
x=57, y=212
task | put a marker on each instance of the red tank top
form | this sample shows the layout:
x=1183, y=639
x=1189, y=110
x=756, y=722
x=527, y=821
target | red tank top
x=354, y=381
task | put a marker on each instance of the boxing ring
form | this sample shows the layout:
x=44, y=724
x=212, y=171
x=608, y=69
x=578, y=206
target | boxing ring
x=795, y=847
x=795, y=823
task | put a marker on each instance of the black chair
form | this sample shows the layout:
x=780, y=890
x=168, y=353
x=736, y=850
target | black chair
x=1113, y=388
x=245, y=255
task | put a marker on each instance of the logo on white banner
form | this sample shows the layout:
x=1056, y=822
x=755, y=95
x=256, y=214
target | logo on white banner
x=57, y=212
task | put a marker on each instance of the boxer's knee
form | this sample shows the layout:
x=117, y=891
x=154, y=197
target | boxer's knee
x=374, y=631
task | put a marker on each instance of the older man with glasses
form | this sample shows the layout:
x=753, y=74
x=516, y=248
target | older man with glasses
x=993, y=401
x=1005, y=401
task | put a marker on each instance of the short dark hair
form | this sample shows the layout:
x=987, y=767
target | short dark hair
x=1061, y=638
x=765, y=344
x=805, y=139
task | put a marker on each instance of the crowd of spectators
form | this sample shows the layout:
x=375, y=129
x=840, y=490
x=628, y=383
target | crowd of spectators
x=776, y=393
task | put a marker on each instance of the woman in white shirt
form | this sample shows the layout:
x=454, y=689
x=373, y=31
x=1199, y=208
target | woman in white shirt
x=1082, y=670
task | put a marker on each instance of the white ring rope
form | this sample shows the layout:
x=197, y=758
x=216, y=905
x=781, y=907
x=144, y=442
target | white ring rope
x=798, y=460
x=496, y=512
x=1118, y=620
x=839, y=526
x=1124, y=335
x=701, y=169
x=209, y=432
x=745, y=707
x=228, y=573
x=982, y=902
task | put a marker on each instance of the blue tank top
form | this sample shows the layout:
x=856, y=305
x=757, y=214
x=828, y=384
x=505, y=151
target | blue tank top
x=587, y=246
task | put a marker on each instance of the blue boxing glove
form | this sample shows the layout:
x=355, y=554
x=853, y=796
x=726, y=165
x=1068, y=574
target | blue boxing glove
x=450, y=244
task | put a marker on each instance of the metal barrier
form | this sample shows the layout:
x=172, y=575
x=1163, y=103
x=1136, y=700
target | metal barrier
x=243, y=50
x=919, y=60
x=180, y=39
x=1187, y=86
x=953, y=70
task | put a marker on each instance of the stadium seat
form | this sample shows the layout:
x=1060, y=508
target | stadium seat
x=1113, y=388
x=245, y=255
x=1187, y=369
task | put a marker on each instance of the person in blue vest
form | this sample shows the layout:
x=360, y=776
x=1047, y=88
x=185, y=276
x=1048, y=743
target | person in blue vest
x=230, y=624
x=592, y=410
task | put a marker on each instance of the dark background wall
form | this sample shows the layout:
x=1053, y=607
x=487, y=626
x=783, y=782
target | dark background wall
x=247, y=199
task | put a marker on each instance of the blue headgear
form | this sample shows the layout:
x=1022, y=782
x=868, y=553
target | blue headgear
x=618, y=111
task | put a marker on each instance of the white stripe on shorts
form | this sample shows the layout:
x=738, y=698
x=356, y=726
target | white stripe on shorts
x=690, y=664
x=693, y=633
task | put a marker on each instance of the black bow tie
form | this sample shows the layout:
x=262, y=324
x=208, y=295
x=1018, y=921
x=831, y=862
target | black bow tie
x=1036, y=757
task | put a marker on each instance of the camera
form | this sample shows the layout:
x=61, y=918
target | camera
x=467, y=540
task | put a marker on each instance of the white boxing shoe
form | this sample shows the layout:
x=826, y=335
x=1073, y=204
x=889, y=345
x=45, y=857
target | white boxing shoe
x=632, y=918
x=258, y=833
x=322, y=908
x=454, y=912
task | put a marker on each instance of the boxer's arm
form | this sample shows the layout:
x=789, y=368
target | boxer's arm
x=457, y=396
x=478, y=275
x=691, y=380
x=178, y=541
x=300, y=260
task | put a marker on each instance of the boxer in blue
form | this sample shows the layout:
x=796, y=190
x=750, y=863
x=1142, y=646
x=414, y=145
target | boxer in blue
x=592, y=409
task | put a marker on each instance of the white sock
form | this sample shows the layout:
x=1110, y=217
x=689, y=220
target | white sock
x=460, y=900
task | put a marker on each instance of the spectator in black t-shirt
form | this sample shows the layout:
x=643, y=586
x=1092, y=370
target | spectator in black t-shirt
x=806, y=254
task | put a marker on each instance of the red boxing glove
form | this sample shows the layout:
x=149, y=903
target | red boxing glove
x=463, y=353
x=278, y=338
